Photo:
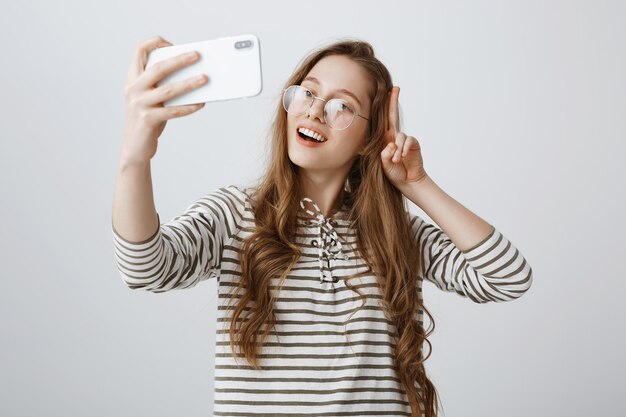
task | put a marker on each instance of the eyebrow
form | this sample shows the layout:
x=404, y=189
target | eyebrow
x=341, y=90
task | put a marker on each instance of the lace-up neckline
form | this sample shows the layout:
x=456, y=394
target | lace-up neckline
x=327, y=240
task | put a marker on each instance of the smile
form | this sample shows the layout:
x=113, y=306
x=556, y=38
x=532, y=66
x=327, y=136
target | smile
x=308, y=134
x=305, y=140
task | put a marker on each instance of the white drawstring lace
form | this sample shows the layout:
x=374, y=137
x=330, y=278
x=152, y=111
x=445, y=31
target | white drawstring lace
x=327, y=239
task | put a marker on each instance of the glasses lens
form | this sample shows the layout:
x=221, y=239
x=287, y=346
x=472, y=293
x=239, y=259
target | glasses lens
x=338, y=114
x=296, y=100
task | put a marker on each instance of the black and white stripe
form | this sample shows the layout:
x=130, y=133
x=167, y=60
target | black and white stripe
x=492, y=270
x=328, y=356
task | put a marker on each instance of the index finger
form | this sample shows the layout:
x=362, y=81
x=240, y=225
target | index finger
x=394, y=119
x=140, y=56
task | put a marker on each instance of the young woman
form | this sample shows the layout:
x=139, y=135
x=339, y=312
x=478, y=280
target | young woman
x=319, y=266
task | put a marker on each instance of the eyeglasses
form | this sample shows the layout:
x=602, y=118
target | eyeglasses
x=338, y=114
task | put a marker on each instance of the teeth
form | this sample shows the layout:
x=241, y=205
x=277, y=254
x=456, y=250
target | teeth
x=311, y=133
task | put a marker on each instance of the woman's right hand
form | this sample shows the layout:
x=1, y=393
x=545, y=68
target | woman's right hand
x=145, y=116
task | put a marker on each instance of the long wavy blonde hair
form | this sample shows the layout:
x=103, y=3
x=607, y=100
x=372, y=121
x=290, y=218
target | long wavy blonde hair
x=384, y=238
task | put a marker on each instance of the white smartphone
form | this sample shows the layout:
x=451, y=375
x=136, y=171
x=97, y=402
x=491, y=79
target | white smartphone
x=232, y=64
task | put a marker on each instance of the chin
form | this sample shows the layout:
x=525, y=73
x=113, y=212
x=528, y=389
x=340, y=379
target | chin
x=299, y=156
x=299, y=160
x=302, y=161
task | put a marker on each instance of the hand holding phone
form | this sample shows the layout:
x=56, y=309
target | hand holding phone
x=145, y=116
x=232, y=64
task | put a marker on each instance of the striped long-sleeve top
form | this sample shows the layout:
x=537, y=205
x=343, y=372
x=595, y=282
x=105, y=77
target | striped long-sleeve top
x=329, y=355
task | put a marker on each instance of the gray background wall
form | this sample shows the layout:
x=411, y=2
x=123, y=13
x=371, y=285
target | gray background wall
x=520, y=110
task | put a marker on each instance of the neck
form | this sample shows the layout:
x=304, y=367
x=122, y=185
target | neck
x=326, y=190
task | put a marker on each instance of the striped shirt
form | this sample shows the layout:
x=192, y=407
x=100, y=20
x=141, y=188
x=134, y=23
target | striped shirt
x=329, y=355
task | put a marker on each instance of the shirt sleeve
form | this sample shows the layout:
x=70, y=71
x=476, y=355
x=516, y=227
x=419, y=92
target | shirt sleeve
x=493, y=270
x=185, y=250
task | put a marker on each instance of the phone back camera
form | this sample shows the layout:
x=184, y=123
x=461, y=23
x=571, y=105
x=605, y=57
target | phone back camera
x=243, y=44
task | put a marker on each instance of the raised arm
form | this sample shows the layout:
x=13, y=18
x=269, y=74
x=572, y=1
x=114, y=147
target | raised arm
x=185, y=250
x=492, y=270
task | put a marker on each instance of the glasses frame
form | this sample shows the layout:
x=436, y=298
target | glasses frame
x=327, y=101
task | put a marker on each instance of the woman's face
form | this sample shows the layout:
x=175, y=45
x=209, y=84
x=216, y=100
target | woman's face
x=341, y=147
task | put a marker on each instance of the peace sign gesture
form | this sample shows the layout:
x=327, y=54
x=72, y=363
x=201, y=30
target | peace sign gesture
x=402, y=157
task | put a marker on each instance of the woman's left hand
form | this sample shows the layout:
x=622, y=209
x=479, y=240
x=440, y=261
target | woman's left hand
x=402, y=157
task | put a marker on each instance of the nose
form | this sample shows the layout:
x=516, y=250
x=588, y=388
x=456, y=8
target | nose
x=317, y=109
